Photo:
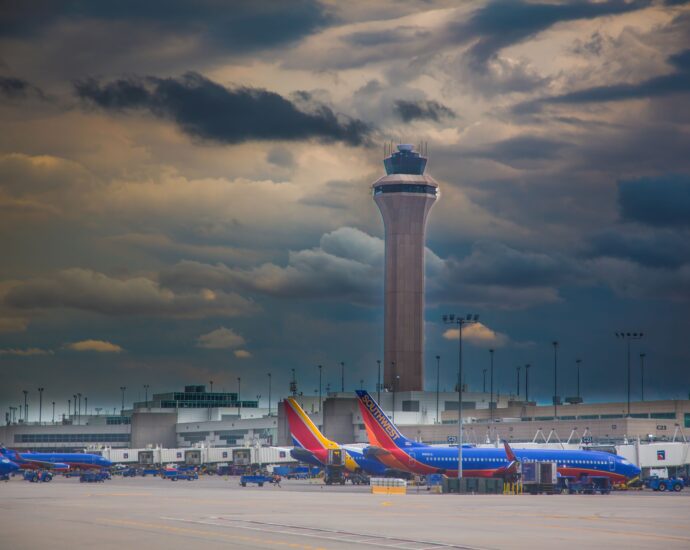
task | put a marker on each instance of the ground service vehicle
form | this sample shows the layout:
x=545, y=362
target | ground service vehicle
x=670, y=484
x=36, y=476
x=94, y=477
x=259, y=479
x=590, y=486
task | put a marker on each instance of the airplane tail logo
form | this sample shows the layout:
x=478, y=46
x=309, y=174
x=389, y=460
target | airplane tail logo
x=304, y=432
x=379, y=427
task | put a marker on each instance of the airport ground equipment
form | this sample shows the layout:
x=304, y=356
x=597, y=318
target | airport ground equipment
x=335, y=466
x=259, y=479
x=93, y=477
x=296, y=472
x=388, y=486
x=662, y=485
x=482, y=486
x=590, y=486
x=180, y=475
x=539, y=477
x=37, y=476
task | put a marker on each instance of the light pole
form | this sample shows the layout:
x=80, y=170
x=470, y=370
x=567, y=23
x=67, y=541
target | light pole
x=438, y=382
x=491, y=384
x=86, y=406
x=527, y=367
x=577, y=364
x=74, y=412
x=69, y=408
x=342, y=376
x=320, y=398
x=53, y=412
x=460, y=322
x=293, y=384
x=146, y=395
x=483, y=380
x=79, y=414
x=556, y=399
x=378, y=383
x=122, y=390
x=239, y=395
x=26, y=406
x=269, y=394
x=642, y=356
x=628, y=336
x=210, y=403
x=518, y=382
x=40, y=405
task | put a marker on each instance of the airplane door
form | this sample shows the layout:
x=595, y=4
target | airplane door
x=612, y=464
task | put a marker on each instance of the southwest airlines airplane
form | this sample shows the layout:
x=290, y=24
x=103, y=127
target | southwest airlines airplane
x=311, y=446
x=55, y=461
x=397, y=452
x=7, y=466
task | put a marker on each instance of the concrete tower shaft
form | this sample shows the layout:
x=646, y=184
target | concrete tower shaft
x=404, y=200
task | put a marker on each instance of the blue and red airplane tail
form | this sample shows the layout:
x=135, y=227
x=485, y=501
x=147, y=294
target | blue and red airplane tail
x=388, y=445
x=381, y=431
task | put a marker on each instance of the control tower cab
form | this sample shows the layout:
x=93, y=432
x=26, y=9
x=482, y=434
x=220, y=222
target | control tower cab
x=404, y=196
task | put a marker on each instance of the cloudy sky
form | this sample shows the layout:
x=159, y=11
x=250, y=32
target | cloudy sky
x=185, y=191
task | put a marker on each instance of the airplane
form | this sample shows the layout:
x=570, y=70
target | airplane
x=55, y=461
x=7, y=467
x=396, y=451
x=311, y=446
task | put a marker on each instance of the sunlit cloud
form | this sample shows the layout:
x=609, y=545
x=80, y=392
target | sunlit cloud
x=479, y=335
x=221, y=338
x=100, y=346
x=26, y=352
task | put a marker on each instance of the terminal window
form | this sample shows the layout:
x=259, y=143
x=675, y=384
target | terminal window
x=410, y=406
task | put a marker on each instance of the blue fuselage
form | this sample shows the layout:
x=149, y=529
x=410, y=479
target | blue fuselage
x=7, y=466
x=484, y=462
x=73, y=460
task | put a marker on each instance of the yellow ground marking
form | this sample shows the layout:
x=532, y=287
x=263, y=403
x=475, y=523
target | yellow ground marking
x=209, y=534
x=118, y=495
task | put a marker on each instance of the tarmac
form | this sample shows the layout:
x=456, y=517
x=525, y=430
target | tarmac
x=215, y=512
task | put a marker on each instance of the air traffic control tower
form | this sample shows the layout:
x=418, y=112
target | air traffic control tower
x=404, y=196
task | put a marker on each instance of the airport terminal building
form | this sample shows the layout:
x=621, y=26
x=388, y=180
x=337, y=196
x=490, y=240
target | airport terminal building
x=195, y=417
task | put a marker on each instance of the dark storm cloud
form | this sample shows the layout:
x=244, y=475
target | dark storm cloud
x=517, y=150
x=13, y=88
x=502, y=23
x=492, y=263
x=662, y=201
x=207, y=110
x=666, y=249
x=390, y=36
x=87, y=290
x=422, y=110
x=677, y=82
x=238, y=26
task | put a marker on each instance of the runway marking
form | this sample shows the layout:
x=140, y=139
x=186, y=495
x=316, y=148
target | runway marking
x=118, y=495
x=335, y=535
x=207, y=534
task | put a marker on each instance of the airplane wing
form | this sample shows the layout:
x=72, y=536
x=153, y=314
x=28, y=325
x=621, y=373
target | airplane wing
x=44, y=464
x=372, y=451
x=303, y=455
